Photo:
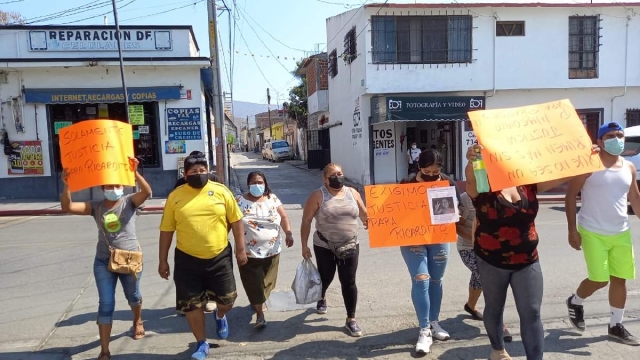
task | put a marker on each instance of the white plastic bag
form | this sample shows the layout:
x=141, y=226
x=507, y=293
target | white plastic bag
x=307, y=285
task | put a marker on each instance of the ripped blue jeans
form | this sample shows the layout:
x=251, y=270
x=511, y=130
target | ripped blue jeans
x=426, y=264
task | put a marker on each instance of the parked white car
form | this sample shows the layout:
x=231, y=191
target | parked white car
x=631, y=150
x=279, y=150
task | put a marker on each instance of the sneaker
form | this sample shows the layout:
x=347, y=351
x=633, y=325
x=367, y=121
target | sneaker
x=576, y=314
x=506, y=335
x=353, y=328
x=621, y=334
x=321, y=307
x=210, y=306
x=439, y=332
x=475, y=314
x=222, y=327
x=202, y=351
x=260, y=323
x=424, y=341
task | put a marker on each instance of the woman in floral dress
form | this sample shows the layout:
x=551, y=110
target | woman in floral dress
x=264, y=217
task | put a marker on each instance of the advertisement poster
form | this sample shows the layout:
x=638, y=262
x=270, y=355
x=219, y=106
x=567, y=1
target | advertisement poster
x=26, y=158
x=184, y=124
x=175, y=147
x=136, y=114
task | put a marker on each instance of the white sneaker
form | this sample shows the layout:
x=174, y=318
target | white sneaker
x=439, y=332
x=424, y=341
x=210, y=306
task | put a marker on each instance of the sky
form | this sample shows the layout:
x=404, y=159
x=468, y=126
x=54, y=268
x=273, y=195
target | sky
x=268, y=29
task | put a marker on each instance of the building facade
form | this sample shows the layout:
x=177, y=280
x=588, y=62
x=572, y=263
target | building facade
x=400, y=73
x=317, y=147
x=55, y=76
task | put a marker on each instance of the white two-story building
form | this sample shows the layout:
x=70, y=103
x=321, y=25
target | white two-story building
x=400, y=73
x=56, y=76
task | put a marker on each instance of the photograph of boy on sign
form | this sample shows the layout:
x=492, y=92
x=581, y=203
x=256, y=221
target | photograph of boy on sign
x=442, y=206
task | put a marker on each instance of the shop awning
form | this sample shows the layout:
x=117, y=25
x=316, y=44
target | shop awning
x=432, y=108
x=98, y=96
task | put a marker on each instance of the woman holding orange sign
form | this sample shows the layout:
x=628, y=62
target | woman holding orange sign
x=505, y=245
x=115, y=217
x=427, y=263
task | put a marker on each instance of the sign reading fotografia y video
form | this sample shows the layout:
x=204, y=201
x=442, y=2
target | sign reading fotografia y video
x=99, y=40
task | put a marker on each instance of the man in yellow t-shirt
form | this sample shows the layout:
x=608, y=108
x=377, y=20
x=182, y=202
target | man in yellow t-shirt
x=203, y=265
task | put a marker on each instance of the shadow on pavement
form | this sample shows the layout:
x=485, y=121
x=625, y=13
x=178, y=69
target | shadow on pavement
x=553, y=344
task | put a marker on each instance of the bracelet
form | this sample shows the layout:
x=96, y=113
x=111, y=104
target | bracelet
x=573, y=232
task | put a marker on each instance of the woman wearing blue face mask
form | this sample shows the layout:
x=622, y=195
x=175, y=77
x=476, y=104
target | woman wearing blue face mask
x=115, y=217
x=264, y=218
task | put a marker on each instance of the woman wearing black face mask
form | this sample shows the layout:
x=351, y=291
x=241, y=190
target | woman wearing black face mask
x=336, y=209
x=427, y=263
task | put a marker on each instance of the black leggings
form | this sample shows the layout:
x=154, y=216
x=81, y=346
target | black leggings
x=327, y=263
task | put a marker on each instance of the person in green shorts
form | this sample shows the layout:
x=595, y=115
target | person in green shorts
x=603, y=232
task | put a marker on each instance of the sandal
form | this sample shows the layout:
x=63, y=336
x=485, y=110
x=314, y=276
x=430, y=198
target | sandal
x=260, y=323
x=137, y=333
x=104, y=356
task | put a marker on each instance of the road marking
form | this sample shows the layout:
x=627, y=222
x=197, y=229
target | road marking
x=17, y=221
x=66, y=313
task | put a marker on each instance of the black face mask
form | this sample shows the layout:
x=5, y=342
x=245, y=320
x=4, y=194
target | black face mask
x=429, y=178
x=197, y=181
x=336, y=182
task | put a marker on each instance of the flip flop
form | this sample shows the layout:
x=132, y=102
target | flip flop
x=260, y=323
x=137, y=334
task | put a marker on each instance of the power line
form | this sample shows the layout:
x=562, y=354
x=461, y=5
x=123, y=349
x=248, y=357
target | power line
x=346, y=23
x=96, y=4
x=268, y=33
x=369, y=22
x=193, y=3
x=99, y=15
x=265, y=45
x=254, y=60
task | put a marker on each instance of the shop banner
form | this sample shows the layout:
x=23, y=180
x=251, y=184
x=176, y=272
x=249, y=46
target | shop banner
x=533, y=144
x=184, y=124
x=26, y=158
x=96, y=152
x=91, y=39
x=400, y=215
x=440, y=108
x=97, y=96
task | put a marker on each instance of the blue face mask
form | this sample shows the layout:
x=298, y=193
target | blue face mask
x=614, y=146
x=256, y=189
x=113, y=195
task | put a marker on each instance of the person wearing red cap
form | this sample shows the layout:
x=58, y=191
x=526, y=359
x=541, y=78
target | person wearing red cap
x=603, y=231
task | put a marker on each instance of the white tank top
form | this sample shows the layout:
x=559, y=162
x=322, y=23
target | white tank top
x=604, y=201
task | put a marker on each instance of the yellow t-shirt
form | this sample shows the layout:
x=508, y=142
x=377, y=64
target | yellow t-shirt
x=199, y=216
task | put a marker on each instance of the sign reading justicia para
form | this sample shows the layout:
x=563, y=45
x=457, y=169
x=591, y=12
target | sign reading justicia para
x=99, y=40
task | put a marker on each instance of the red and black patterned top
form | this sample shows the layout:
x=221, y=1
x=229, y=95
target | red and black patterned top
x=506, y=235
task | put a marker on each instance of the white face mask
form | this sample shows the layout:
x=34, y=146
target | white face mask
x=413, y=146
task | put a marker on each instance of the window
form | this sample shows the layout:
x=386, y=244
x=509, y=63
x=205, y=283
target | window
x=633, y=117
x=591, y=121
x=584, y=44
x=421, y=39
x=510, y=28
x=333, y=63
x=350, y=48
x=145, y=142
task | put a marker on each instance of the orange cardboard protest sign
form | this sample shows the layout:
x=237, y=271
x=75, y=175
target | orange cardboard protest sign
x=399, y=215
x=533, y=144
x=95, y=152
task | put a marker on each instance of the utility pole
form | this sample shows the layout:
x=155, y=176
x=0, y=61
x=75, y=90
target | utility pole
x=122, y=77
x=222, y=160
x=269, y=114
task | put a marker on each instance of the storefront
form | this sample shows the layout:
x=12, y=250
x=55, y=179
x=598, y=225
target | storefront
x=439, y=123
x=49, y=88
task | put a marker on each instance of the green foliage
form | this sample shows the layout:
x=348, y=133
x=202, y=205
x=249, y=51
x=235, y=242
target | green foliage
x=297, y=105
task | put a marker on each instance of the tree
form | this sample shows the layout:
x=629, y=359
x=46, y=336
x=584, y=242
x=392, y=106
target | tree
x=297, y=105
x=10, y=18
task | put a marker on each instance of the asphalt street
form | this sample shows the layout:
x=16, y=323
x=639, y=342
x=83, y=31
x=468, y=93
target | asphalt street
x=49, y=298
